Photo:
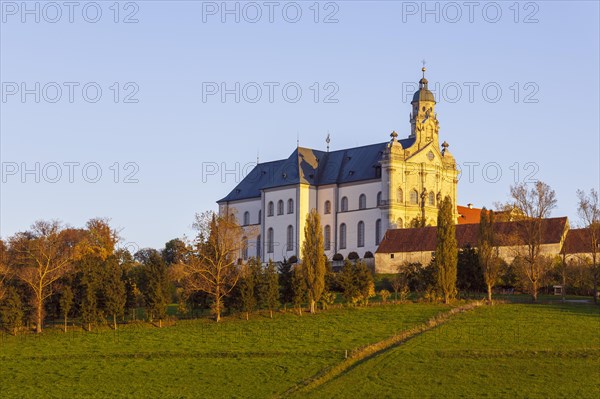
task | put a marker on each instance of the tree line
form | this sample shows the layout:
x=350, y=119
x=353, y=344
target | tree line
x=79, y=275
x=55, y=272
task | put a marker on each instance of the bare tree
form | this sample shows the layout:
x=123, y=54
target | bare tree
x=487, y=251
x=212, y=266
x=589, y=213
x=562, y=267
x=40, y=257
x=533, y=206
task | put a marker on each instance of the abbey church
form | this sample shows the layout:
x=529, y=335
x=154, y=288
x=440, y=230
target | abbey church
x=359, y=192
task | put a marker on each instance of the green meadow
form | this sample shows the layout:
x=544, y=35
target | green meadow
x=195, y=358
x=507, y=350
x=502, y=351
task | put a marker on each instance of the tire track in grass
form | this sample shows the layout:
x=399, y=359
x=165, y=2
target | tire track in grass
x=370, y=351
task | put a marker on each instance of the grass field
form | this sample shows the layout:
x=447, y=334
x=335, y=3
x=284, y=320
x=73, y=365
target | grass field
x=196, y=358
x=510, y=350
x=504, y=351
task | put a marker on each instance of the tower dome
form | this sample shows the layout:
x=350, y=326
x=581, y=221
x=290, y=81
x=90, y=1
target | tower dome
x=423, y=94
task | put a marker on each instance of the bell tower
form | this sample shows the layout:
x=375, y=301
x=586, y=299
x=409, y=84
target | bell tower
x=424, y=126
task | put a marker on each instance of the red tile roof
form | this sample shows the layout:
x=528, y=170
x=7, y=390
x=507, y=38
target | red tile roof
x=578, y=241
x=468, y=215
x=424, y=239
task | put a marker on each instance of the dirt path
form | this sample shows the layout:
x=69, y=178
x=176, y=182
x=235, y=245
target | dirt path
x=373, y=350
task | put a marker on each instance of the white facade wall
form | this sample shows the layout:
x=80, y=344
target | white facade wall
x=305, y=198
x=252, y=230
x=324, y=194
x=279, y=223
x=390, y=262
x=354, y=215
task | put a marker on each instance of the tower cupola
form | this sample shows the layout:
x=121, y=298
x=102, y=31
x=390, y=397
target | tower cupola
x=423, y=94
x=423, y=120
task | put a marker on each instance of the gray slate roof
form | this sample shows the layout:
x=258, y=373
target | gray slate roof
x=313, y=167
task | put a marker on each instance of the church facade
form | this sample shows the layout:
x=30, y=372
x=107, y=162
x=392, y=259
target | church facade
x=359, y=192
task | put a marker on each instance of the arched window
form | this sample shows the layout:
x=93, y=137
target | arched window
x=414, y=197
x=258, y=246
x=343, y=236
x=290, y=238
x=431, y=198
x=399, y=223
x=400, y=196
x=245, y=248
x=360, y=237
x=379, y=201
x=327, y=207
x=270, y=209
x=327, y=238
x=246, y=218
x=259, y=216
x=362, y=201
x=378, y=232
x=290, y=206
x=270, y=244
x=344, y=205
x=280, y=207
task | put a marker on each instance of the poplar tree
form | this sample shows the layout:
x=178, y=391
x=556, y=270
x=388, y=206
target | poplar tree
x=269, y=289
x=157, y=283
x=299, y=289
x=66, y=303
x=286, y=291
x=249, y=284
x=114, y=290
x=97, y=245
x=446, y=254
x=89, y=286
x=313, y=262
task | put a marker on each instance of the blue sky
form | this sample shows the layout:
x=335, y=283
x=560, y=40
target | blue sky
x=360, y=57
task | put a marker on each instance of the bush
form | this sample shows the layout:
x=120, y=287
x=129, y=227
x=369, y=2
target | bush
x=368, y=255
x=353, y=255
x=384, y=294
x=11, y=311
x=338, y=257
x=356, y=282
x=327, y=299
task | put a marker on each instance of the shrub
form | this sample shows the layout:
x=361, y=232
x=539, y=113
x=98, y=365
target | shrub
x=384, y=294
x=356, y=282
x=328, y=298
x=11, y=311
